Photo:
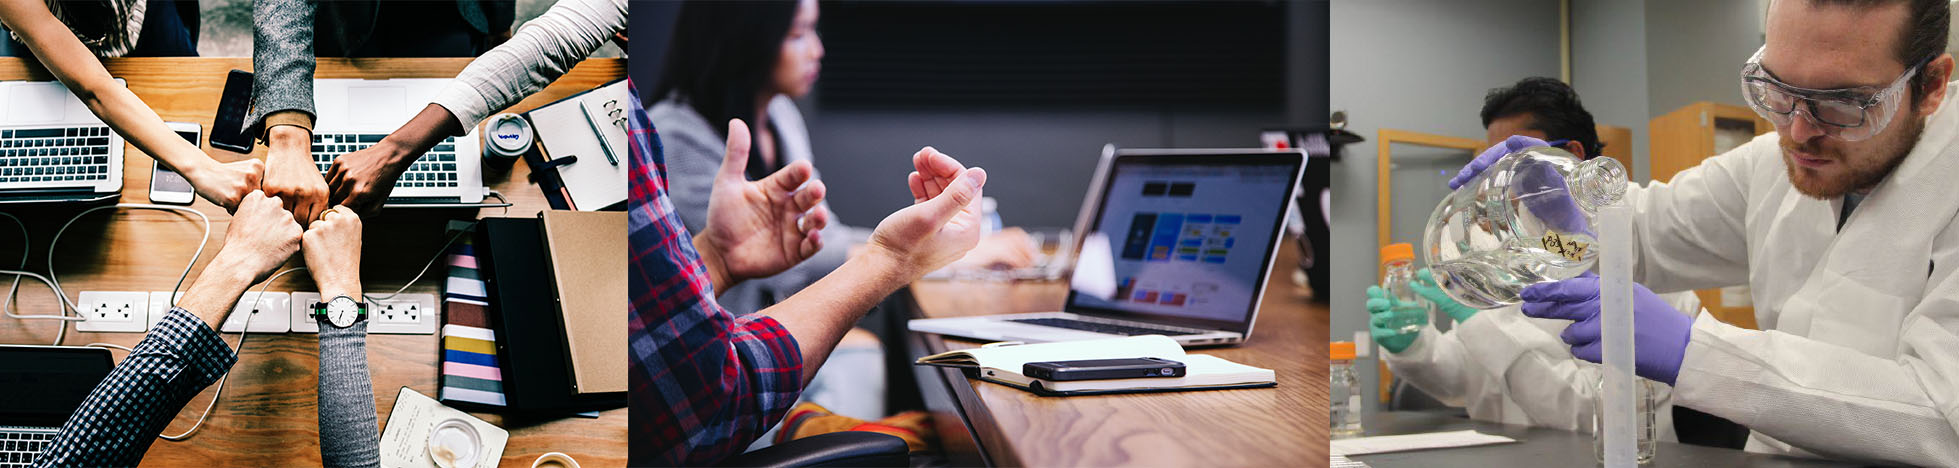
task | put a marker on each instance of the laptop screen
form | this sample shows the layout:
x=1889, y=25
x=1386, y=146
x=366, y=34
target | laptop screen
x=1190, y=237
x=40, y=386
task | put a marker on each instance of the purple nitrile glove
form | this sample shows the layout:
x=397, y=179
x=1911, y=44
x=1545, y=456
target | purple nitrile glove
x=1489, y=156
x=1660, y=333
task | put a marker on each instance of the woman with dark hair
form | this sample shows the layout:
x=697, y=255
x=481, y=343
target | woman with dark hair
x=749, y=60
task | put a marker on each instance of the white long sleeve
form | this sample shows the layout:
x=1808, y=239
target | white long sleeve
x=541, y=51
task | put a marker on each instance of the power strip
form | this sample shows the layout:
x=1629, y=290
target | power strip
x=160, y=305
x=114, y=311
x=405, y=314
x=271, y=312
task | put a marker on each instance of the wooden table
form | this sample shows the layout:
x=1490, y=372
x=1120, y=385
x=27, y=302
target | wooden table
x=1280, y=426
x=268, y=415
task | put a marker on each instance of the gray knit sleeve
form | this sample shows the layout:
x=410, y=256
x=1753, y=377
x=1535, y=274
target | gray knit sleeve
x=349, y=428
x=282, y=57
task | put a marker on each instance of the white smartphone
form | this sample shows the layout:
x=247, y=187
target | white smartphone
x=166, y=185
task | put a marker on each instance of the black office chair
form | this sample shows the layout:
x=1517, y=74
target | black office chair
x=851, y=448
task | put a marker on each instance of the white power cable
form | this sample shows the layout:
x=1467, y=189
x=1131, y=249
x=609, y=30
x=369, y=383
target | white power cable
x=237, y=350
x=64, y=306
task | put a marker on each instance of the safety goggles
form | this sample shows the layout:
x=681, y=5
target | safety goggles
x=1849, y=114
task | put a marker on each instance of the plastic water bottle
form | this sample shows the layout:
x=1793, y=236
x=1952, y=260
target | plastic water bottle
x=1344, y=395
x=1410, y=308
x=990, y=216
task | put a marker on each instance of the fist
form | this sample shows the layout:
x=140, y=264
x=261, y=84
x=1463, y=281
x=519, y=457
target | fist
x=332, y=248
x=261, y=237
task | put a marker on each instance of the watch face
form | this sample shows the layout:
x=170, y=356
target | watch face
x=342, y=312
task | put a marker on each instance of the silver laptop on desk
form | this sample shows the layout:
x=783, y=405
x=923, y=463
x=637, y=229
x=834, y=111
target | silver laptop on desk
x=40, y=387
x=355, y=114
x=1178, y=243
x=53, y=149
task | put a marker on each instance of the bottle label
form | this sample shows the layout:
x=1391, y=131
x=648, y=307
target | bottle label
x=1569, y=248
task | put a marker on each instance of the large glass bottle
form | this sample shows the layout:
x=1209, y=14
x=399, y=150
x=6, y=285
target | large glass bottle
x=1526, y=219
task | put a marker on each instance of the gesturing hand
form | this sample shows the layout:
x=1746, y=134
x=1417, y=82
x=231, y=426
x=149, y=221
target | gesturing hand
x=332, y=247
x=226, y=184
x=291, y=175
x=362, y=180
x=262, y=236
x=943, y=221
x=760, y=228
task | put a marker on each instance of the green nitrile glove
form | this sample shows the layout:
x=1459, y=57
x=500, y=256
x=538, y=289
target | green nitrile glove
x=1381, y=312
x=1425, y=286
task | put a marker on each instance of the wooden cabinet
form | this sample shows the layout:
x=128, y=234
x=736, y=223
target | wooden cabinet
x=1682, y=139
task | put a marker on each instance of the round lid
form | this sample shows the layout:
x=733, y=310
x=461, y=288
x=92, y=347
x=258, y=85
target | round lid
x=1340, y=349
x=454, y=444
x=1399, y=251
x=510, y=134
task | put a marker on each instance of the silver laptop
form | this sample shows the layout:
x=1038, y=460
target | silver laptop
x=1178, y=243
x=40, y=387
x=355, y=114
x=52, y=149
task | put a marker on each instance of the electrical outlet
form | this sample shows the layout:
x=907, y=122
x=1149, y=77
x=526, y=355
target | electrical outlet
x=270, y=312
x=114, y=311
x=160, y=305
x=302, y=312
x=406, y=314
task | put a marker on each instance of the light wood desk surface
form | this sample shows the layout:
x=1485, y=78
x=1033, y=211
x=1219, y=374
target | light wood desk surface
x=268, y=415
x=1280, y=426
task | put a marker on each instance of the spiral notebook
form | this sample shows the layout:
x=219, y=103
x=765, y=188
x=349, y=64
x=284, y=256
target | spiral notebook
x=580, y=159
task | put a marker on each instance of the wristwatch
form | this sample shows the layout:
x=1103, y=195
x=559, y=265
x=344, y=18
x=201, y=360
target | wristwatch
x=341, y=312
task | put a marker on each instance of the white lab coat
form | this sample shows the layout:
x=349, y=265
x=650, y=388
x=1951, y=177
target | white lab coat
x=1505, y=367
x=1858, y=356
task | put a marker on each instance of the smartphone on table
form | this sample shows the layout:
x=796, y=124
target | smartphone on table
x=1103, y=369
x=166, y=185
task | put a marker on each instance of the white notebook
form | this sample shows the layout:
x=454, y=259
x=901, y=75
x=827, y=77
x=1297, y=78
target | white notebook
x=564, y=128
x=1001, y=364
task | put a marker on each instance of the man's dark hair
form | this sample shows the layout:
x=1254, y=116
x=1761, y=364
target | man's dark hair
x=1922, y=39
x=1553, y=108
x=723, y=54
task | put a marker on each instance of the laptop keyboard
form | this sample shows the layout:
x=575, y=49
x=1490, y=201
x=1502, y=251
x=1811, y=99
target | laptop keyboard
x=1099, y=327
x=435, y=169
x=19, y=448
x=78, y=154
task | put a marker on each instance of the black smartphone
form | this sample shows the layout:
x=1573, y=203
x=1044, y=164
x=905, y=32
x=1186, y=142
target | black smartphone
x=1103, y=369
x=228, y=127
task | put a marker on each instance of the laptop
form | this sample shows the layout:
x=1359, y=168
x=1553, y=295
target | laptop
x=53, y=149
x=1186, y=239
x=40, y=387
x=355, y=114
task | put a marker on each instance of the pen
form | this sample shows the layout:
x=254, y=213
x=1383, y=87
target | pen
x=604, y=143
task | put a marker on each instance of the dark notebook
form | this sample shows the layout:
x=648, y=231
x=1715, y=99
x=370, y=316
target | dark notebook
x=524, y=312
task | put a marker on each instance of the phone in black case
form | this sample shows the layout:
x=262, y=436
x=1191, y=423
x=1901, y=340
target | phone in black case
x=228, y=127
x=1103, y=369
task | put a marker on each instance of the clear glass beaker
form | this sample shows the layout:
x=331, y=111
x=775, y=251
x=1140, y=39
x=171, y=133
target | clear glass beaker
x=1646, y=408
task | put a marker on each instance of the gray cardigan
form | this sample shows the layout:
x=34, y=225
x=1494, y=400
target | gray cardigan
x=694, y=149
x=282, y=57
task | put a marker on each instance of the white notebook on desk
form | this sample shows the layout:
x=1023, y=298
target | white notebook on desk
x=566, y=128
x=1002, y=364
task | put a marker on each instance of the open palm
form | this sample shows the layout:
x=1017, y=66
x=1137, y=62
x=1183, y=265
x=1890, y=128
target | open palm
x=766, y=226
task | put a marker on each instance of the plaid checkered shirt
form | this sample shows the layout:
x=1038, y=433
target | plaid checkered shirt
x=124, y=414
x=704, y=383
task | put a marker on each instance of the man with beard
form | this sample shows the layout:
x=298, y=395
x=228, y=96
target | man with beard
x=1842, y=223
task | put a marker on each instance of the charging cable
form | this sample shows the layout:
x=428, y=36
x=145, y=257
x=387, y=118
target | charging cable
x=237, y=350
x=64, y=306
